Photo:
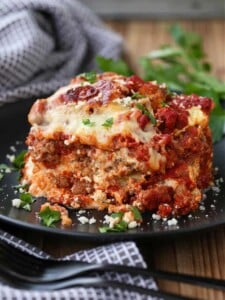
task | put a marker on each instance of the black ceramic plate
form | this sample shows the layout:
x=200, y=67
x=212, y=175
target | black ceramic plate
x=13, y=130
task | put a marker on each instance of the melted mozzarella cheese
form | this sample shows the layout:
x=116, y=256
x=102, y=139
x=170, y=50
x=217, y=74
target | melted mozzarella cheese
x=171, y=182
x=197, y=116
x=69, y=119
x=156, y=159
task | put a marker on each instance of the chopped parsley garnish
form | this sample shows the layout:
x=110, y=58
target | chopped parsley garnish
x=18, y=162
x=90, y=76
x=136, y=213
x=121, y=225
x=49, y=216
x=25, y=202
x=146, y=112
x=108, y=123
x=119, y=214
x=23, y=187
x=137, y=96
x=87, y=122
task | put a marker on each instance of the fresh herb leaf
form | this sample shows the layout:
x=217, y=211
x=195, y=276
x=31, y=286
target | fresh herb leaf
x=108, y=123
x=146, y=112
x=1, y=176
x=136, y=213
x=137, y=96
x=117, y=215
x=18, y=162
x=49, y=216
x=110, y=65
x=119, y=227
x=18, y=187
x=87, y=122
x=26, y=201
x=164, y=52
x=90, y=76
x=190, y=41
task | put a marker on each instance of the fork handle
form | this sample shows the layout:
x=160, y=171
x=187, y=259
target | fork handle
x=67, y=269
x=97, y=282
x=100, y=282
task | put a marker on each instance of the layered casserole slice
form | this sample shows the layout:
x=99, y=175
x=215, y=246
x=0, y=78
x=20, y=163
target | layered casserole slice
x=110, y=142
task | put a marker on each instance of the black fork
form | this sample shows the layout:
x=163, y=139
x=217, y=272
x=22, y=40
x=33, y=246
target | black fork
x=38, y=273
x=24, y=271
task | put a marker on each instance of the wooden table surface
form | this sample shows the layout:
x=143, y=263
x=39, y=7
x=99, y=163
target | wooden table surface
x=201, y=253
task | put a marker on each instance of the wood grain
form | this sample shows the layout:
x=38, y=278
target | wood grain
x=140, y=37
x=201, y=253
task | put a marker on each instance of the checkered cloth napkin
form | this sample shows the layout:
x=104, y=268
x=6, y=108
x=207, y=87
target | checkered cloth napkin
x=43, y=43
x=120, y=253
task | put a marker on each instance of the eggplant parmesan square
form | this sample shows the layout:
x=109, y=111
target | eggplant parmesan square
x=111, y=142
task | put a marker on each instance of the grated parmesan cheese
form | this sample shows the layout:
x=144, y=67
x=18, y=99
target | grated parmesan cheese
x=11, y=158
x=92, y=220
x=16, y=202
x=156, y=217
x=83, y=220
x=172, y=222
x=132, y=224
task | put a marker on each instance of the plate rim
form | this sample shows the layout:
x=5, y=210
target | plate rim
x=110, y=235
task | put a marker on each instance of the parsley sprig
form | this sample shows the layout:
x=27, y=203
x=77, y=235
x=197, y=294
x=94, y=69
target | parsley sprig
x=49, y=216
x=16, y=165
x=25, y=200
x=121, y=225
x=18, y=162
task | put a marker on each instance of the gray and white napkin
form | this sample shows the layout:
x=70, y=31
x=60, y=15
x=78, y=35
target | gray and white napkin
x=122, y=253
x=43, y=43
